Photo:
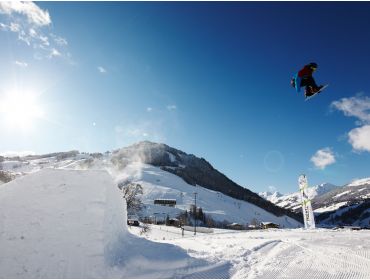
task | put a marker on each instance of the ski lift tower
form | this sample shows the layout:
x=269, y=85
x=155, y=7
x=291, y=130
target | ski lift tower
x=308, y=217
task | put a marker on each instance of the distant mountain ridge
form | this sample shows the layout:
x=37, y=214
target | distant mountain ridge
x=333, y=205
x=347, y=205
x=293, y=200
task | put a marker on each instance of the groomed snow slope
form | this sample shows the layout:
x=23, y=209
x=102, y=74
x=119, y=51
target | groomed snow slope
x=281, y=254
x=72, y=224
x=59, y=223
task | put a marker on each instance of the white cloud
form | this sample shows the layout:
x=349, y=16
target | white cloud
x=33, y=32
x=34, y=14
x=14, y=27
x=21, y=64
x=323, y=158
x=149, y=109
x=359, y=138
x=59, y=40
x=54, y=52
x=102, y=69
x=32, y=26
x=152, y=130
x=44, y=40
x=358, y=107
x=171, y=107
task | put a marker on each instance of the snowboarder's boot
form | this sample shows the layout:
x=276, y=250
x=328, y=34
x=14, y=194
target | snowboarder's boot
x=309, y=91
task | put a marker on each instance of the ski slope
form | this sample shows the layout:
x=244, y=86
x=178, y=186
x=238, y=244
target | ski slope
x=296, y=253
x=160, y=184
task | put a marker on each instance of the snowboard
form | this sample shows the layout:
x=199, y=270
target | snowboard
x=316, y=93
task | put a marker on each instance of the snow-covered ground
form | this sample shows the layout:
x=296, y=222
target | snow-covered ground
x=72, y=224
x=160, y=184
x=330, y=207
x=359, y=182
x=294, y=253
x=59, y=223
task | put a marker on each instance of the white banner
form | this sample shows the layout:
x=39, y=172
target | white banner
x=308, y=217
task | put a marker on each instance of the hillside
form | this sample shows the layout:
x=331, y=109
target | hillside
x=183, y=172
x=348, y=205
x=160, y=184
x=194, y=171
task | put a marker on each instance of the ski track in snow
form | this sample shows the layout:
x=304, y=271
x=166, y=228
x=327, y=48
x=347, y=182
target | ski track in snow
x=317, y=254
x=296, y=259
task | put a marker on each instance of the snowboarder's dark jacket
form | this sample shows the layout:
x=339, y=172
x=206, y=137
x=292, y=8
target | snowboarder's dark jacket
x=305, y=72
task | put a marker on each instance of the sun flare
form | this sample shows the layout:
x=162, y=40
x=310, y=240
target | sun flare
x=20, y=110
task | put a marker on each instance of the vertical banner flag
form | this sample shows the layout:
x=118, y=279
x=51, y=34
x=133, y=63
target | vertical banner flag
x=308, y=217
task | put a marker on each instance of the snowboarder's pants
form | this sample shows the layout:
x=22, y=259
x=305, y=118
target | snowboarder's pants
x=308, y=82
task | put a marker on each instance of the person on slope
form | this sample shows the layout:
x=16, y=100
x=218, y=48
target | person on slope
x=304, y=79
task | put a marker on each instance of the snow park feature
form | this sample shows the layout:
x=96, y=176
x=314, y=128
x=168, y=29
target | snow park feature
x=72, y=224
x=308, y=217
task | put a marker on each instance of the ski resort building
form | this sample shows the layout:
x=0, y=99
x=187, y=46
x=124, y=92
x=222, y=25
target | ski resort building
x=267, y=225
x=165, y=202
x=235, y=226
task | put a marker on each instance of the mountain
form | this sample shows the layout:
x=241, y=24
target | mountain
x=333, y=205
x=194, y=171
x=271, y=196
x=165, y=172
x=347, y=205
x=292, y=201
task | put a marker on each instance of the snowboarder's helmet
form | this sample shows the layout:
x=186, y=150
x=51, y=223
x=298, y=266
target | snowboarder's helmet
x=313, y=65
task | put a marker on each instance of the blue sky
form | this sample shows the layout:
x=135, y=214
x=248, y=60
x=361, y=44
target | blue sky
x=209, y=78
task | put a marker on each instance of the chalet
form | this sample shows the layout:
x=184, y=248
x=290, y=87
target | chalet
x=267, y=225
x=174, y=222
x=133, y=222
x=165, y=202
x=235, y=226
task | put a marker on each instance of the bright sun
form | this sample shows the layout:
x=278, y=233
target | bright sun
x=20, y=111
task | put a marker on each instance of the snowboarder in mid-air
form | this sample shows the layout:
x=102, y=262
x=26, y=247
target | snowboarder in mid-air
x=304, y=79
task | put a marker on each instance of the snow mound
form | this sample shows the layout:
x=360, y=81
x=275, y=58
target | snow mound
x=60, y=224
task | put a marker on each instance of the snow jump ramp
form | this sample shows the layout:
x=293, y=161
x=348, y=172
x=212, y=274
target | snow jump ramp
x=59, y=223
